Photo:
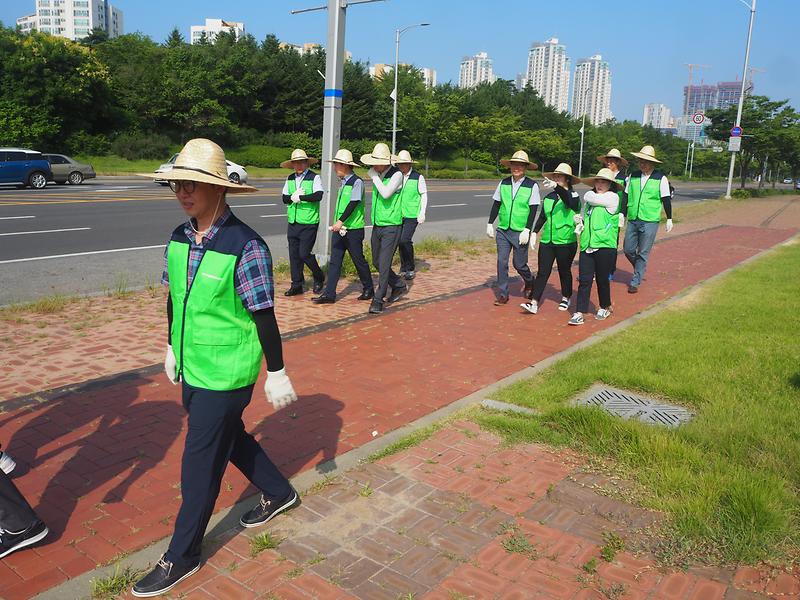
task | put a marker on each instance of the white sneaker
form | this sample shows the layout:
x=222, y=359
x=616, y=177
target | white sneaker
x=577, y=319
x=7, y=464
x=603, y=314
x=564, y=304
x=532, y=306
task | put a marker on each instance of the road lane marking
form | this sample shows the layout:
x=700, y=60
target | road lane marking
x=484, y=195
x=25, y=217
x=251, y=205
x=446, y=205
x=73, y=254
x=46, y=231
x=271, y=216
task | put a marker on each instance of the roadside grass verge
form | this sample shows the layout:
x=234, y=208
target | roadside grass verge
x=44, y=306
x=729, y=480
x=107, y=588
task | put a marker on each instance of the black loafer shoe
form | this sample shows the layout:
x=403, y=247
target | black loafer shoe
x=396, y=294
x=323, y=300
x=632, y=289
x=164, y=576
x=318, y=286
x=376, y=308
x=10, y=542
x=409, y=275
x=293, y=291
x=267, y=509
x=366, y=295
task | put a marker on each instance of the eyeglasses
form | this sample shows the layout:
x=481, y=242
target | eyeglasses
x=186, y=186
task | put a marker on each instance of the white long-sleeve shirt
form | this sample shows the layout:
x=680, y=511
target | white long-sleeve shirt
x=386, y=190
x=422, y=188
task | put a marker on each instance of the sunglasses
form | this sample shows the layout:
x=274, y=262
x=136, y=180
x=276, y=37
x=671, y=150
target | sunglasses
x=186, y=186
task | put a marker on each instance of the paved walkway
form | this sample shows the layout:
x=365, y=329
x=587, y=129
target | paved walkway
x=100, y=461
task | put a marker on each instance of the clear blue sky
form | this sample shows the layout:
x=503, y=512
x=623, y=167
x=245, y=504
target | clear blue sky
x=646, y=43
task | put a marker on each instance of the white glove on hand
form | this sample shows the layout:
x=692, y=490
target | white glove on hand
x=343, y=231
x=279, y=389
x=296, y=195
x=579, y=228
x=577, y=219
x=489, y=230
x=421, y=218
x=669, y=225
x=548, y=184
x=621, y=220
x=524, y=236
x=171, y=365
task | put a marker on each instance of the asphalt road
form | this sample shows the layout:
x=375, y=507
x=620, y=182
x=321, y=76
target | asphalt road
x=108, y=234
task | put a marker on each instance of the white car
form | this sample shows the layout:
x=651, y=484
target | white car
x=236, y=173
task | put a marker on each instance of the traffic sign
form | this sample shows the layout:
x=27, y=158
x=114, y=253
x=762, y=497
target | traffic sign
x=698, y=118
x=734, y=144
x=736, y=131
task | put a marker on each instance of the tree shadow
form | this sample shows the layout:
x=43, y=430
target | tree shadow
x=794, y=380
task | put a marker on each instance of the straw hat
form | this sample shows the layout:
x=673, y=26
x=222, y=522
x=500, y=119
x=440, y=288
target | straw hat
x=203, y=161
x=404, y=157
x=605, y=174
x=344, y=157
x=380, y=155
x=520, y=156
x=647, y=153
x=613, y=153
x=563, y=169
x=298, y=154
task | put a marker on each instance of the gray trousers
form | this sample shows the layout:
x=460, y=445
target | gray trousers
x=639, y=239
x=508, y=239
x=384, y=244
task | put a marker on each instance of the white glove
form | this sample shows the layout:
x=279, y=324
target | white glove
x=421, y=218
x=343, y=231
x=524, y=236
x=577, y=219
x=171, y=365
x=669, y=225
x=279, y=389
x=296, y=195
x=548, y=184
x=579, y=228
x=489, y=230
x=621, y=220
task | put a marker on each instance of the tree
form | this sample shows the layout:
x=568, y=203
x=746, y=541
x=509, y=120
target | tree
x=548, y=148
x=424, y=120
x=467, y=134
x=503, y=132
x=175, y=38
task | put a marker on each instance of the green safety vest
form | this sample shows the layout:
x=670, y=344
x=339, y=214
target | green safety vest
x=386, y=211
x=645, y=204
x=213, y=336
x=559, y=228
x=410, y=198
x=303, y=213
x=356, y=218
x=514, y=210
x=600, y=228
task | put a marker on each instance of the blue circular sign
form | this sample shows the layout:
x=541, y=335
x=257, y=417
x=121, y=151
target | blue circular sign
x=736, y=131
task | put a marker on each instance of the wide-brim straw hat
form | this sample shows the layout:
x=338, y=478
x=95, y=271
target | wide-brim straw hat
x=380, y=155
x=563, y=169
x=404, y=157
x=603, y=174
x=647, y=153
x=203, y=161
x=613, y=153
x=344, y=157
x=520, y=156
x=298, y=154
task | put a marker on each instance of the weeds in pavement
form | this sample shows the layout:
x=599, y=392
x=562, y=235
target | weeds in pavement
x=263, y=541
x=106, y=588
x=613, y=545
x=519, y=544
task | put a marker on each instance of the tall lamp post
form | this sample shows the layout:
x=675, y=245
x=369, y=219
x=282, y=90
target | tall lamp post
x=752, y=8
x=583, y=130
x=398, y=33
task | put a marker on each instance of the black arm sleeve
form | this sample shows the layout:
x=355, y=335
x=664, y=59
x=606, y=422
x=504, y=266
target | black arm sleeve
x=315, y=197
x=540, y=222
x=270, y=337
x=286, y=199
x=532, y=215
x=169, y=319
x=565, y=195
x=623, y=203
x=351, y=206
x=494, y=212
x=667, y=202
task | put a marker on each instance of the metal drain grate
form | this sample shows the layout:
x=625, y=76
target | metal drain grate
x=633, y=406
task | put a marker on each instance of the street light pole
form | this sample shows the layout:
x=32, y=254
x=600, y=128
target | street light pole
x=752, y=8
x=583, y=130
x=398, y=33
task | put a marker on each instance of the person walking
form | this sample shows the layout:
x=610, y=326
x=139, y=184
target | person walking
x=221, y=323
x=348, y=230
x=614, y=162
x=557, y=241
x=387, y=224
x=648, y=190
x=302, y=193
x=413, y=204
x=515, y=202
x=598, y=227
x=20, y=526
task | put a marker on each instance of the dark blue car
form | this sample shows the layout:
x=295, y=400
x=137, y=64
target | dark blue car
x=24, y=168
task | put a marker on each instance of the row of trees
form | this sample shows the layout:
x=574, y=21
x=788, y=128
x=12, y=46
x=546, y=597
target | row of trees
x=103, y=94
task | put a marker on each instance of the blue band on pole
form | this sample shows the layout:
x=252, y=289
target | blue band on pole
x=333, y=92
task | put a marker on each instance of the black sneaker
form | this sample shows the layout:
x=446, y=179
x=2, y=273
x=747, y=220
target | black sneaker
x=9, y=542
x=366, y=295
x=7, y=464
x=266, y=509
x=294, y=291
x=318, y=286
x=375, y=308
x=164, y=576
x=396, y=294
x=409, y=275
x=323, y=299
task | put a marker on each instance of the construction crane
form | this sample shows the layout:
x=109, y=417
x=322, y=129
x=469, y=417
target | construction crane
x=749, y=88
x=687, y=102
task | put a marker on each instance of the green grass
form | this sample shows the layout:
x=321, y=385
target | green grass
x=729, y=480
x=106, y=588
x=44, y=306
x=263, y=541
x=116, y=165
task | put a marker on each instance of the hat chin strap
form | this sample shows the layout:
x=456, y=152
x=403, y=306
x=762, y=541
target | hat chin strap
x=211, y=224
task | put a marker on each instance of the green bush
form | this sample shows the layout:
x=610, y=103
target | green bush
x=312, y=146
x=741, y=194
x=459, y=174
x=85, y=143
x=141, y=145
x=259, y=156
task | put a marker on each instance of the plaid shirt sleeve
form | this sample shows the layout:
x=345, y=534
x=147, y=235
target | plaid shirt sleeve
x=165, y=272
x=253, y=277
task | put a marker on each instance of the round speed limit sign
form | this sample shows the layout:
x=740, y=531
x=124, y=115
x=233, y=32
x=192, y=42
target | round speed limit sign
x=698, y=118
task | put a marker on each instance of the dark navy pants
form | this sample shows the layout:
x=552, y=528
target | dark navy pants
x=15, y=512
x=352, y=242
x=406, y=245
x=301, y=240
x=215, y=436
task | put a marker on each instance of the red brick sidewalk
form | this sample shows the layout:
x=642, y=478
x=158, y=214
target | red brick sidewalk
x=104, y=460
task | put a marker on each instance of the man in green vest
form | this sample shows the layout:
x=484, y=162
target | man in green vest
x=348, y=230
x=387, y=223
x=647, y=191
x=221, y=322
x=414, y=203
x=516, y=200
x=614, y=162
x=302, y=193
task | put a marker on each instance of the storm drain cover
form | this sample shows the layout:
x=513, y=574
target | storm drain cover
x=629, y=405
